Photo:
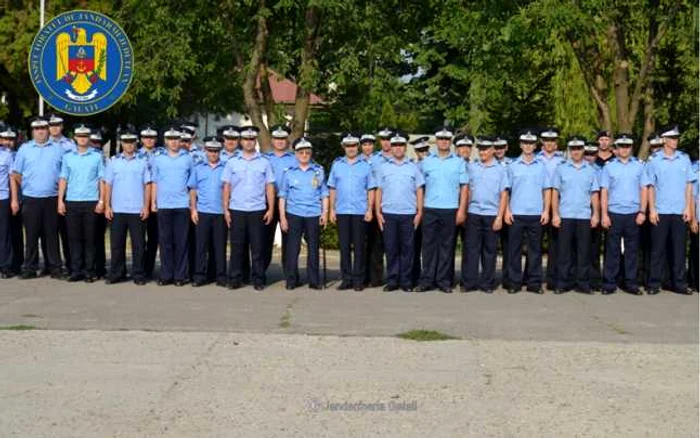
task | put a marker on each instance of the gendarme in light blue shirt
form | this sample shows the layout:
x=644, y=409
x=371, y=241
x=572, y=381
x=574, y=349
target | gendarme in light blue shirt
x=624, y=182
x=280, y=163
x=376, y=161
x=6, y=158
x=399, y=181
x=551, y=162
x=527, y=182
x=171, y=174
x=487, y=181
x=575, y=184
x=66, y=144
x=444, y=176
x=40, y=168
x=670, y=175
x=82, y=172
x=206, y=180
x=351, y=182
x=304, y=190
x=127, y=176
x=248, y=178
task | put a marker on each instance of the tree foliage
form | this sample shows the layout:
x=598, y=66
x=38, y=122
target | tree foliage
x=484, y=66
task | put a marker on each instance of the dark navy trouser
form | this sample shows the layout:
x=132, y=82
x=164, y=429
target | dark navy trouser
x=525, y=228
x=438, y=227
x=480, y=247
x=668, y=244
x=173, y=231
x=623, y=226
x=398, y=244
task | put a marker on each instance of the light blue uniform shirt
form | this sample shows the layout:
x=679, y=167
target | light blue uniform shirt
x=527, y=181
x=351, y=182
x=304, y=190
x=66, y=144
x=6, y=159
x=82, y=173
x=505, y=161
x=575, y=185
x=40, y=167
x=669, y=176
x=376, y=161
x=443, y=180
x=280, y=164
x=551, y=162
x=248, y=180
x=149, y=155
x=225, y=155
x=206, y=180
x=624, y=182
x=127, y=178
x=486, y=183
x=171, y=174
x=696, y=189
x=399, y=182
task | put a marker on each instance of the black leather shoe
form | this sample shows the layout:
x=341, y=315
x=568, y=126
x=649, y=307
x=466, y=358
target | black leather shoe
x=115, y=280
x=6, y=274
x=559, y=291
x=162, y=282
x=513, y=291
x=584, y=290
x=57, y=275
x=140, y=281
x=221, y=283
x=90, y=279
x=467, y=289
x=609, y=291
x=653, y=291
x=290, y=286
x=198, y=283
x=259, y=287
x=633, y=291
x=315, y=286
x=407, y=289
x=423, y=289
x=76, y=277
x=234, y=285
x=536, y=290
x=344, y=286
x=390, y=288
x=26, y=275
x=359, y=288
x=487, y=291
x=446, y=290
x=375, y=284
x=686, y=291
x=180, y=283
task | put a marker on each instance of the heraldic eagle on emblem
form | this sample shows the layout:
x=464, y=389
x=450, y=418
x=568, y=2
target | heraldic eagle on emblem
x=81, y=63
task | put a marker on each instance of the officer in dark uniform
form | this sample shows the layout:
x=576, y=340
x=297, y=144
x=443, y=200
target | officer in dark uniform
x=488, y=196
x=6, y=249
x=36, y=170
x=351, y=186
x=422, y=148
x=127, y=207
x=281, y=159
x=445, y=207
x=248, y=195
x=623, y=200
x=207, y=213
x=303, y=210
x=670, y=178
x=399, y=205
x=552, y=158
x=527, y=213
x=463, y=149
x=68, y=145
x=80, y=184
x=149, y=147
x=170, y=172
x=500, y=148
x=9, y=137
x=575, y=210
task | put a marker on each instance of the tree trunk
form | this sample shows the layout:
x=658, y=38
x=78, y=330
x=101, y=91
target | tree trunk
x=250, y=95
x=266, y=95
x=302, y=101
x=649, y=123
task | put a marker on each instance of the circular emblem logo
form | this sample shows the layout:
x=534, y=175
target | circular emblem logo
x=81, y=62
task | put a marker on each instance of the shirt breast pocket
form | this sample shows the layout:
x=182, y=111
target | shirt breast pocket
x=258, y=177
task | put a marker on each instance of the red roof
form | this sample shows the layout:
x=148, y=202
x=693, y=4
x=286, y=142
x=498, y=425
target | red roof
x=284, y=91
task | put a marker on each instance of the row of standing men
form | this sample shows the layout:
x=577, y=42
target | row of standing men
x=186, y=199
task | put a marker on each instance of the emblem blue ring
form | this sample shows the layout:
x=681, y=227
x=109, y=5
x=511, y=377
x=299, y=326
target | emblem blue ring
x=81, y=62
